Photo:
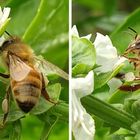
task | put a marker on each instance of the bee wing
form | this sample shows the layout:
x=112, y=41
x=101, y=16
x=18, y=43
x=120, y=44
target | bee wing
x=49, y=68
x=18, y=69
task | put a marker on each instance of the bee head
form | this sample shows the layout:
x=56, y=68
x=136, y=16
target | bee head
x=10, y=41
x=134, y=47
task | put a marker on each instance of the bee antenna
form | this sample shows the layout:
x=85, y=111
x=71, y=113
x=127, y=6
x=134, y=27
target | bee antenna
x=8, y=33
x=133, y=31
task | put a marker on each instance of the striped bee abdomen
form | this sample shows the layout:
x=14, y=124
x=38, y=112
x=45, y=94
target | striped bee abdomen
x=27, y=91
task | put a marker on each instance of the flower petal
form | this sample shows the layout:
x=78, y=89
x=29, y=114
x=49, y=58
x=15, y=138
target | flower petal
x=83, y=86
x=102, y=42
x=85, y=130
x=87, y=37
x=74, y=31
x=6, y=12
x=129, y=76
x=114, y=84
x=82, y=123
x=1, y=13
x=106, y=65
x=119, y=61
x=107, y=57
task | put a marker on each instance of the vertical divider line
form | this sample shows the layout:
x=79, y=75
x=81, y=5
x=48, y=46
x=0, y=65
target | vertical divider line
x=70, y=70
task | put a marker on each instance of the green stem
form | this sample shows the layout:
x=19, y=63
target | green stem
x=47, y=128
x=107, y=112
x=61, y=110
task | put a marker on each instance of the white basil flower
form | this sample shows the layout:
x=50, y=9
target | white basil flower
x=74, y=32
x=106, y=54
x=4, y=14
x=82, y=123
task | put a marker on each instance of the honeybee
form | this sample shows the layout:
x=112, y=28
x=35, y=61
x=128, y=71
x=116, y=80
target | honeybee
x=27, y=74
x=133, y=48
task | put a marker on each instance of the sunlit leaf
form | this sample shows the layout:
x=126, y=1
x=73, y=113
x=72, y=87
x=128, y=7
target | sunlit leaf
x=83, y=55
x=54, y=91
x=103, y=78
x=18, y=25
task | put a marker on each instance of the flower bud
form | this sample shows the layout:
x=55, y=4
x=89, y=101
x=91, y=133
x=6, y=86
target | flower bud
x=132, y=105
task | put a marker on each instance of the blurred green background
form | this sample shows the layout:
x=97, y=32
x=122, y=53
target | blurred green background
x=43, y=24
x=107, y=17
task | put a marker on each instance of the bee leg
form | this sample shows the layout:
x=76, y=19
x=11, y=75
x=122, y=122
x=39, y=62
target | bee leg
x=46, y=96
x=133, y=59
x=130, y=59
x=4, y=75
x=44, y=92
x=5, y=104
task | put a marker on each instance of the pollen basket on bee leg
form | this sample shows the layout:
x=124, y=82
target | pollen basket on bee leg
x=5, y=106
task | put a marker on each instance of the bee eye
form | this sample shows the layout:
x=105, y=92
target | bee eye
x=6, y=44
x=137, y=45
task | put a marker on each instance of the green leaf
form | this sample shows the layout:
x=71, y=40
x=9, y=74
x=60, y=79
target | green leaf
x=4, y=131
x=119, y=96
x=136, y=109
x=83, y=55
x=21, y=18
x=103, y=78
x=118, y=137
x=113, y=129
x=44, y=18
x=48, y=127
x=13, y=116
x=136, y=128
x=132, y=105
x=59, y=110
x=15, y=134
x=42, y=106
x=102, y=93
x=79, y=69
x=54, y=91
